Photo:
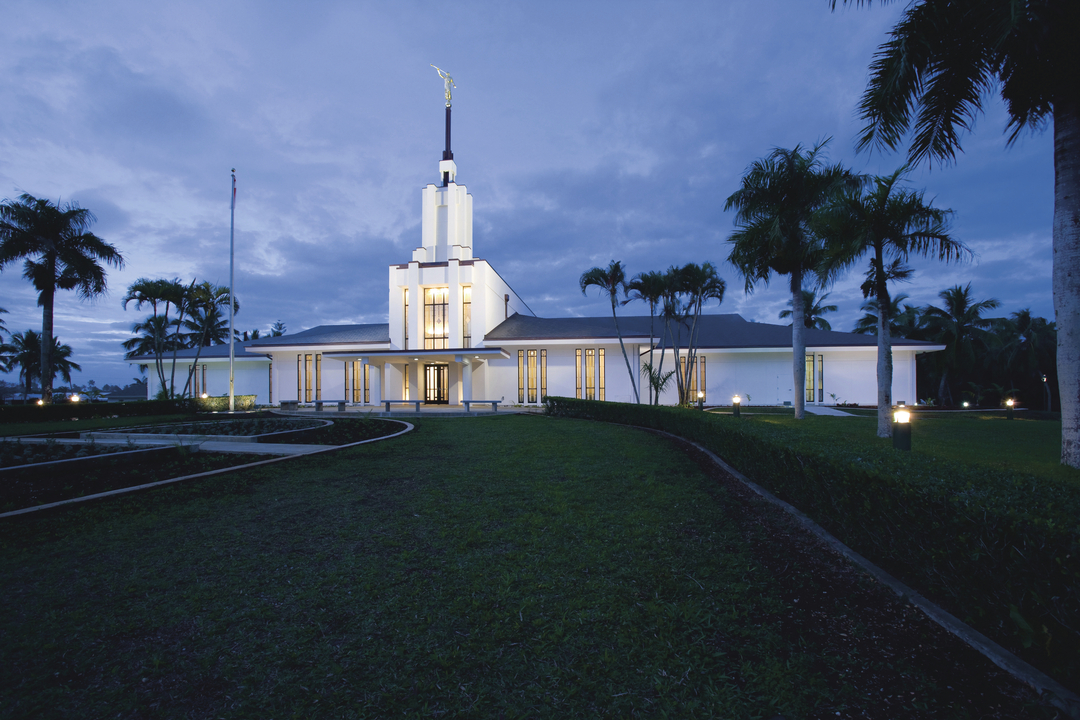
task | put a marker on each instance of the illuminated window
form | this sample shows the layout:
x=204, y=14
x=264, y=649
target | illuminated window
x=701, y=370
x=436, y=318
x=367, y=383
x=590, y=378
x=406, y=316
x=531, y=376
x=318, y=376
x=815, y=380
x=359, y=381
x=406, y=381
x=600, y=375
x=466, y=316
x=577, y=373
x=270, y=384
x=521, y=376
x=543, y=374
x=299, y=378
x=307, y=377
x=821, y=378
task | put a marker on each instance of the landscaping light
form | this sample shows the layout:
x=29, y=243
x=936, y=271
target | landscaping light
x=75, y=397
x=967, y=404
x=40, y=402
x=1009, y=409
x=700, y=400
x=204, y=396
x=736, y=401
x=901, y=430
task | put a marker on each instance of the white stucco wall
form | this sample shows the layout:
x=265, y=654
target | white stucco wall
x=251, y=376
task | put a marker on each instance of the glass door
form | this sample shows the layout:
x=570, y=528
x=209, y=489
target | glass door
x=436, y=384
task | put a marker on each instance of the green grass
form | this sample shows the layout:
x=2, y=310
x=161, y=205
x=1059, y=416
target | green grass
x=499, y=567
x=983, y=440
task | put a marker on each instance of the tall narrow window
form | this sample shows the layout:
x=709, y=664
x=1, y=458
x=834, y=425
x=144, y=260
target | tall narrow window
x=531, y=381
x=703, y=386
x=299, y=378
x=407, y=381
x=406, y=316
x=821, y=378
x=521, y=376
x=318, y=376
x=577, y=373
x=466, y=316
x=270, y=384
x=543, y=374
x=367, y=383
x=307, y=377
x=436, y=318
x=204, y=379
x=600, y=375
x=359, y=382
x=809, y=378
x=590, y=377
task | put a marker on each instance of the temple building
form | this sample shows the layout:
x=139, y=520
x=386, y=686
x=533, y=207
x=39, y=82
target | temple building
x=457, y=331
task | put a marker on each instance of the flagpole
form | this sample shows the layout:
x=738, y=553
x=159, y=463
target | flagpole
x=232, y=302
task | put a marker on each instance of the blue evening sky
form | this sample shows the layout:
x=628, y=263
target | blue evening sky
x=586, y=132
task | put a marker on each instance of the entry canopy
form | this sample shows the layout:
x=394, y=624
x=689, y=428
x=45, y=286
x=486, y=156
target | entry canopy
x=466, y=356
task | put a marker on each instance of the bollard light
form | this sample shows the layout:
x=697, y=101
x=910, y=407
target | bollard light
x=204, y=396
x=700, y=400
x=1009, y=409
x=40, y=401
x=736, y=403
x=966, y=404
x=901, y=431
x=75, y=397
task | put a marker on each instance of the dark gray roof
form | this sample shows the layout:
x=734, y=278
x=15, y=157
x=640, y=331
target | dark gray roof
x=714, y=331
x=331, y=335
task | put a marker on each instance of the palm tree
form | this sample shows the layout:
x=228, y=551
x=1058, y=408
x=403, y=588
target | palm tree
x=905, y=320
x=815, y=311
x=26, y=355
x=776, y=210
x=205, y=323
x=649, y=286
x=701, y=283
x=890, y=224
x=159, y=335
x=961, y=328
x=60, y=253
x=611, y=281
x=939, y=63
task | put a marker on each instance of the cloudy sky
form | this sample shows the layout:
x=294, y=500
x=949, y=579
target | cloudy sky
x=585, y=132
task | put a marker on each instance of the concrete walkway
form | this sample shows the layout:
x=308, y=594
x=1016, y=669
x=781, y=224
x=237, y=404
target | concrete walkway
x=219, y=444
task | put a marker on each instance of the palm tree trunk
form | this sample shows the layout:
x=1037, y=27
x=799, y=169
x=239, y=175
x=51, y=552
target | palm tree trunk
x=46, y=299
x=629, y=370
x=1067, y=268
x=663, y=351
x=798, y=343
x=652, y=345
x=884, y=373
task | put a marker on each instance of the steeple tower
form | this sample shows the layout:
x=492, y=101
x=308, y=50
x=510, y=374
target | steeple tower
x=447, y=208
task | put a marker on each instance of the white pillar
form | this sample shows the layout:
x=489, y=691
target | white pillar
x=466, y=380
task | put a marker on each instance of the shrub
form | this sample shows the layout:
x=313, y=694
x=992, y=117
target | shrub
x=220, y=403
x=999, y=549
x=66, y=410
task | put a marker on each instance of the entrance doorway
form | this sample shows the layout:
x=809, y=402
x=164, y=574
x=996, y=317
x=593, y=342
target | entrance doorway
x=436, y=384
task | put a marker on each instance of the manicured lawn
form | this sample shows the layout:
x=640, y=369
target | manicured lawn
x=497, y=567
x=985, y=440
x=85, y=425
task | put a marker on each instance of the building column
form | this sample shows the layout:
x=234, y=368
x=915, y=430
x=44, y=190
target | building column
x=375, y=382
x=466, y=379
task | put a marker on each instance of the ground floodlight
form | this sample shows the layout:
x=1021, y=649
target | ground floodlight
x=901, y=430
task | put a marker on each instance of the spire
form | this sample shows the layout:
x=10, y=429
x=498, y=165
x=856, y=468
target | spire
x=447, y=167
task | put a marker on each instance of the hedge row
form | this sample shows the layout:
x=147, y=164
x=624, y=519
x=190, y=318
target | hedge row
x=221, y=403
x=69, y=410
x=999, y=550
